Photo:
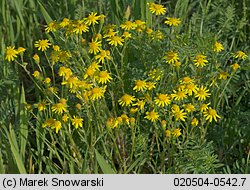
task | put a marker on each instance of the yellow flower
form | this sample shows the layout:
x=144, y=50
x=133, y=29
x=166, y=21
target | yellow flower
x=128, y=25
x=65, y=22
x=168, y=133
x=92, y=19
x=162, y=99
x=56, y=125
x=157, y=9
x=211, y=114
x=11, y=53
x=56, y=48
x=141, y=25
x=186, y=80
x=152, y=116
x=77, y=121
x=42, y=105
x=52, y=26
x=240, y=55
x=172, y=21
x=65, y=118
x=223, y=75
x=36, y=58
x=158, y=35
x=104, y=54
x=180, y=115
x=47, y=80
x=80, y=27
x=126, y=35
x=94, y=47
x=189, y=107
x=53, y=89
x=20, y=50
x=59, y=108
x=204, y=107
x=200, y=60
x=112, y=123
x=179, y=95
x=163, y=123
x=175, y=108
x=104, y=77
x=235, y=66
x=171, y=57
x=78, y=106
x=42, y=44
x=71, y=82
x=194, y=122
x=140, y=85
x=36, y=74
x=133, y=110
x=202, y=93
x=155, y=74
x=191, y=88
x=140, y=104
x=126, y=100
x=48, y=123
x=177, y=132
x=151, y=85
x=115, y=40
x=218, y=47
x=65, y=72
x=97, y=93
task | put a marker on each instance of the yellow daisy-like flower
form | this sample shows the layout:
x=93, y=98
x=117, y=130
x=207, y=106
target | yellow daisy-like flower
x=180, y=115
x=20, y=50
x=172, y=21
x=140, y=85
x=103, y=55
x=204, y=107
x=104, y=77
x=56, y=125
x=202, y=93
x=152, y=116
x=59, y=108
x=128, y=25
x=194, y=122
x=72, y=82
x=48, y=123
x=36, y=58
x=179, y=95
x=177, y=132
x=157, y=9
x=97, y=93
x=240, y=55
x=162, y=99
x=189, y=107
x=223, y=75
x=65, y=72
x=126, y=35
x=36, y=74
x=51, y=27
x=151, y=85
x=191, y=88
x=11, y=53
x=65, y=118
x=186, y=80
x=92, y=19
x=218, y=47
x=140, y=104
x=80, y=27
x=77, y=121
x=47, y=80
x=126, y=100
x=168, y=133
x=171, y=57
x=155, y=74
x=42, y=105
x=235, y=66
x=115, y=40
x=95, y=47
x=200, y=60
x=65, y=22
x=42, y=45
x=211, y=115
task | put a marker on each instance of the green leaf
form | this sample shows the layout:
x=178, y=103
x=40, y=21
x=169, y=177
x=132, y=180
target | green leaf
x=106, y=168
x=46, y=16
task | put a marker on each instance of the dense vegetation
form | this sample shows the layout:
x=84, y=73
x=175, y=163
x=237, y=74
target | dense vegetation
x=124, y=86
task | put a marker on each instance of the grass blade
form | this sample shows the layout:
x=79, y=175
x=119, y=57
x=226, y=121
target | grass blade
x=106, y=168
